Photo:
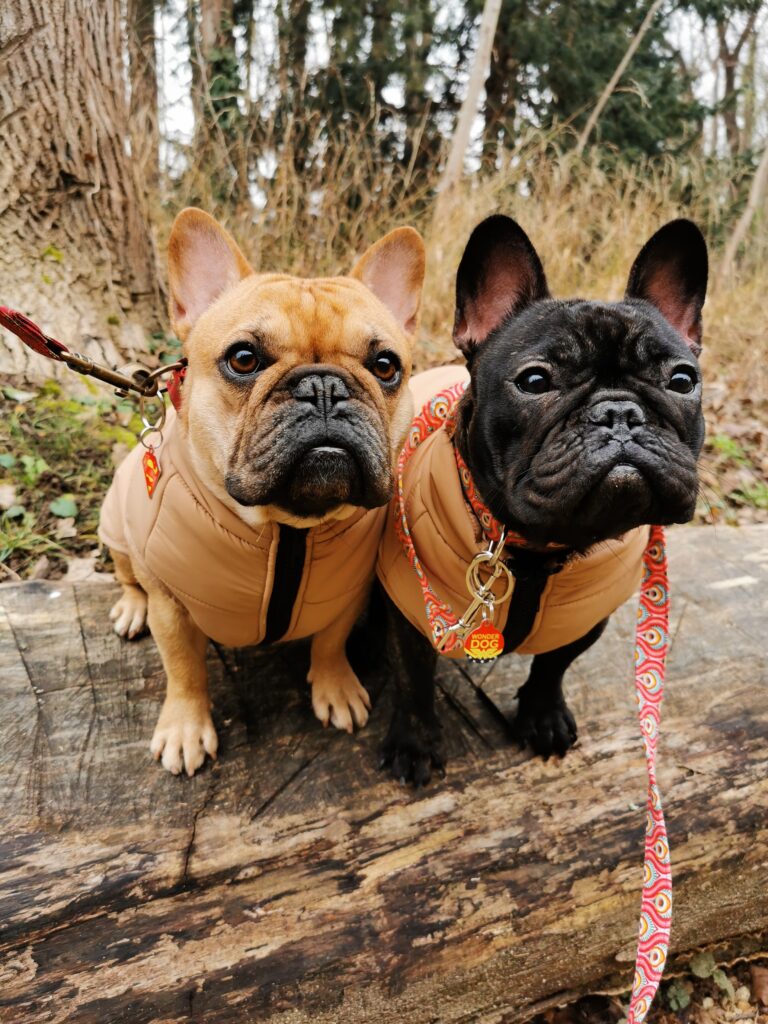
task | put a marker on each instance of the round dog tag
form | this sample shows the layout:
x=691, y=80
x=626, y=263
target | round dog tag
x=484, y=643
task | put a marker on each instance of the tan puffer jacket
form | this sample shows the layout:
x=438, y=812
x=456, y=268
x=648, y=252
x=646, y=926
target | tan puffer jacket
x=223, y=571
x=447, y=536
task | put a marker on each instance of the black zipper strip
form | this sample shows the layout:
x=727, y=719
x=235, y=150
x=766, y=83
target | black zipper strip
x=289, y=568
x=531, y=570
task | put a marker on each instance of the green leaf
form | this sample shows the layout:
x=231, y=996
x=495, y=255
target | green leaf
x=678, y=996
x=755, y=494
x=703, y=965
x=64, y=507
x=52, y=253
x=14, y=512
x=19, y=396
x=7, y=461
x=33, y=468
x=723, y=982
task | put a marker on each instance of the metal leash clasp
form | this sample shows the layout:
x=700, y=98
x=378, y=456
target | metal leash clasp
x=151, y=460
x=484, y=600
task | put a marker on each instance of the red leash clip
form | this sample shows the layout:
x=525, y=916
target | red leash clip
x=142, y=382
x=31, y=334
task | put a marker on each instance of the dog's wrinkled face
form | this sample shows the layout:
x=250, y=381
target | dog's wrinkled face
x=583, y=419
x=296, y=399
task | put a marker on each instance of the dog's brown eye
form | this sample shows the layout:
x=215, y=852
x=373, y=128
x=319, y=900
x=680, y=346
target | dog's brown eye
x=385, y=366
x=682, y=381
x=242, y=359
x=534, y=382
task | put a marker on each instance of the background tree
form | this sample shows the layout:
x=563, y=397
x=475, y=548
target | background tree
x=734, y=22
x=75, y=249
x=221, y=168
x=143, y=113
x=550, y=62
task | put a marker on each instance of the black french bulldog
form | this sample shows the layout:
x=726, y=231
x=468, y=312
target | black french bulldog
x=582, y=420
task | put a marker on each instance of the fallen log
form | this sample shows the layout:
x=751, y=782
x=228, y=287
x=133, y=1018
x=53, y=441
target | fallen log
x=292, y=882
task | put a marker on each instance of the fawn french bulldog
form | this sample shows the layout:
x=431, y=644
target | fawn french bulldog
x=274, y=476
x=580, y=425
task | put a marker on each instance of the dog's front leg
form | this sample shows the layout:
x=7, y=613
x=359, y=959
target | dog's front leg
x=338, y=696
x=544, y=721
x=184, y=731
x=411, y=749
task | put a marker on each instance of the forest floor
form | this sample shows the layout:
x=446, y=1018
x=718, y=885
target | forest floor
x=705, y=994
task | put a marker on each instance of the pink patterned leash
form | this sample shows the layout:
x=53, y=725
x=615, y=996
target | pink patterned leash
x=651, y=643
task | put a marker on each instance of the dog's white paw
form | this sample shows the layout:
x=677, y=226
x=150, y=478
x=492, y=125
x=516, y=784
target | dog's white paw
x=338, y=698
x=129, y=614
x=184, y=734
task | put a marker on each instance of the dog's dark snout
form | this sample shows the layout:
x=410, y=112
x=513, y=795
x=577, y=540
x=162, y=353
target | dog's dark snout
x=617, y=415
x=323, y=390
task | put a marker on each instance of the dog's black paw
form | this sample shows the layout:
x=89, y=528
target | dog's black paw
x=410, y=754
x=546, y=731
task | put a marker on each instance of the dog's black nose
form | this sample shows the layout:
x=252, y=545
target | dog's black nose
x=616, y=415
x=323, y=390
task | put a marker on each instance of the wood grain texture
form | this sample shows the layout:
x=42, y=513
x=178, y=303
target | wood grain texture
x=292, y=882
x=76, y=252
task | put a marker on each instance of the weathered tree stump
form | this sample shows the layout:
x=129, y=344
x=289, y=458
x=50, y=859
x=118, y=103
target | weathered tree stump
x=292, y=882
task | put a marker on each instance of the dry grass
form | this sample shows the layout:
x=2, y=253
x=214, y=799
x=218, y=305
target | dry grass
x=587, y=221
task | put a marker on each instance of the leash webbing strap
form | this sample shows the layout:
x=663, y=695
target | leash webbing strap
x=651, y=643
x=31, y=335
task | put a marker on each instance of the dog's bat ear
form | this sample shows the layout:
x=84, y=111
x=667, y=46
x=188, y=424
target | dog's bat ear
x=393, y=269
x=203, y=262
x=670, y=272
x=499, y=275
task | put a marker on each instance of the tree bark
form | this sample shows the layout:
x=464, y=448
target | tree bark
x=502, y=86
x=75, y=250
x=729, y=60
x=756, y=192
x=145, y=135
x=749, y=84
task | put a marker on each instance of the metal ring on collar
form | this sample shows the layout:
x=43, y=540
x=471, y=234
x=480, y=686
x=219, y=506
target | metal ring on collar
x=148, y=430
x=497, y=569
x=148, y=423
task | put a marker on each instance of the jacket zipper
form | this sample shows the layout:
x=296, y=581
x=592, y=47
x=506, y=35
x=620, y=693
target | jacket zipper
x=289, y=569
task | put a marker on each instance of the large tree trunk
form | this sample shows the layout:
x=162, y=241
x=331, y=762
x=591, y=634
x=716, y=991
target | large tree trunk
x=75, y=250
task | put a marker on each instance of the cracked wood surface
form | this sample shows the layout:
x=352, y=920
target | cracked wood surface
x=292, y=882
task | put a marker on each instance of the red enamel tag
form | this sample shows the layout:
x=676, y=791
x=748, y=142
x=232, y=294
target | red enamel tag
x=151, y=465
x=484, y=643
